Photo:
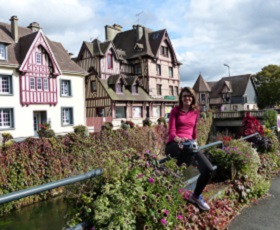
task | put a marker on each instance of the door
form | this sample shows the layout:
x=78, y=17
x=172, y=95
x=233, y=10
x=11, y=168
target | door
x=36, y=122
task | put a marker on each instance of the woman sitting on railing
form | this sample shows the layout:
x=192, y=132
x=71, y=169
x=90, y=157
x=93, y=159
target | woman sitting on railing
x=182, y=127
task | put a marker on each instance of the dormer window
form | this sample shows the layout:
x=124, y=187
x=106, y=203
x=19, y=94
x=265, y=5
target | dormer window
x=119, y=87
x=226, y=97
x=3, y=52
x=110, y=61
x=134, y=88
x=137, y=69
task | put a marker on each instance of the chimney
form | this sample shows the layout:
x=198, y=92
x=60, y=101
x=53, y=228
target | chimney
x=139, y=31
x=14, y=28
x=34, y=26
x=112, y=31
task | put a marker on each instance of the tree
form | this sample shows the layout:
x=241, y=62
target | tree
x=267, y=83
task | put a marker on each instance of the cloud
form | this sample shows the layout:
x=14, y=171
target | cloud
x=205, y=34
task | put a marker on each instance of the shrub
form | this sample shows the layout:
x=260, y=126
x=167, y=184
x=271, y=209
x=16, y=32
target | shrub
x=209, y=114
x=107, y=126
x=130, y=123
x=235, y=160
x=251, y=125
x=80, y=130
x=131, y=194
x=162, y=120
x=147, y=122
x=203, y=115
x=270, y=118
x=45, y=131
x=125, y=126
x=6, y=137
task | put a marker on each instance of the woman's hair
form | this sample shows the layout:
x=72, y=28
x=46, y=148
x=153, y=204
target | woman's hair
x=192, y=93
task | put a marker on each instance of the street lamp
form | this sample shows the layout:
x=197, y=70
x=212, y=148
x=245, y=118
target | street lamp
x=228, y=69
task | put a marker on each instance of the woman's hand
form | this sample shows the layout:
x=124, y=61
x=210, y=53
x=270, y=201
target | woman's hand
x=179, y=139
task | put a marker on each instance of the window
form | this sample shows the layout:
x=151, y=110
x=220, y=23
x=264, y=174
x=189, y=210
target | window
x=119, y=87
x=67, y=116
x=203, y=98
x=171, y=91
x=110, y=61
x=177, y=90
x=38, y=58
x=137, y=69
x=32, y=83
x=39, y=84
x=46, y=84
x=65, y=86
x=3, y=52
x=134, y=89
x=6, y=118
x=156, y=111
x=5, y=84
x=158, y=89
x=120, y=112
x=93, y=86
x=136, y=112
x=158, y=69
x=164, y=51
x=170, y=72
x=100, y=112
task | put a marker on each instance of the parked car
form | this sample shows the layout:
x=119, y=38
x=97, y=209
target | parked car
x=166, y=116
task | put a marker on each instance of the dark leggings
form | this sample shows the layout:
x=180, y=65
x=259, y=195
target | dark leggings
x=189, y=158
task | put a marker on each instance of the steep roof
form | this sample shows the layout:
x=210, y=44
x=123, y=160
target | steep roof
x=237, y=84
x=126, y=95
x=18, y=51
x=201, y=85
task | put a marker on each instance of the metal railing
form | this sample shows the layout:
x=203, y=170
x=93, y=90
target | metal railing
x=45, y=187
x=200, y=148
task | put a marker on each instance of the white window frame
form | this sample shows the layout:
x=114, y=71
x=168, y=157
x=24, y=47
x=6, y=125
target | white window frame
x=38, y=58
x=6, y=118
x=46, y=84
x=65, y=89
x=32, y=83
x=3, y=52
x=67, y=117
x=39, y=84
x=170, y=71
x=7, y=80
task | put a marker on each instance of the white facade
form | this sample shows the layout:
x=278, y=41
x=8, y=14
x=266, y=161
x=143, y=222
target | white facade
x=24, y=116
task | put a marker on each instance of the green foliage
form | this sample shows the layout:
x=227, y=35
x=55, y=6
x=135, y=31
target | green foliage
x=203, y=115
x=162, y=120
x=132, y=193
x=80, y=130
x=45, y=131
x=203, y=129
x=147, y=122
x=270, y=118
x=107, y=126
x=267, y=83
x=6, y=137
x=236, y=160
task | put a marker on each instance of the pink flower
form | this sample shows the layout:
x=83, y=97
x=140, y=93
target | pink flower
x=179, y=217
x=165, y=212
x=140, y=175
x=147, y=151
x=151, y=180
x=163, y=221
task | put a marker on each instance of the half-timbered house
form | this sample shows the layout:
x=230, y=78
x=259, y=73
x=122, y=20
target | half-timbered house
x=234, y=93
x=134, y=74
x=39, y=83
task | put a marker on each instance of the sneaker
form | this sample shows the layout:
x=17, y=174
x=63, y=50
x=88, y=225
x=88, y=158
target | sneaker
x=199, y=201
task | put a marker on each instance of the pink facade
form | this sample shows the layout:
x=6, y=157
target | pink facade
x=38, y=82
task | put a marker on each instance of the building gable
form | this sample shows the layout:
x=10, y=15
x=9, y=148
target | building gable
x=38, y=47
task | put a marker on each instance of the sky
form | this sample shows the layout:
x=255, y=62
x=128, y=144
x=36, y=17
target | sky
x=206, y=34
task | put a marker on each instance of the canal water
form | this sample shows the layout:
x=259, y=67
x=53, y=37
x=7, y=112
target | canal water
x=46, y=215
